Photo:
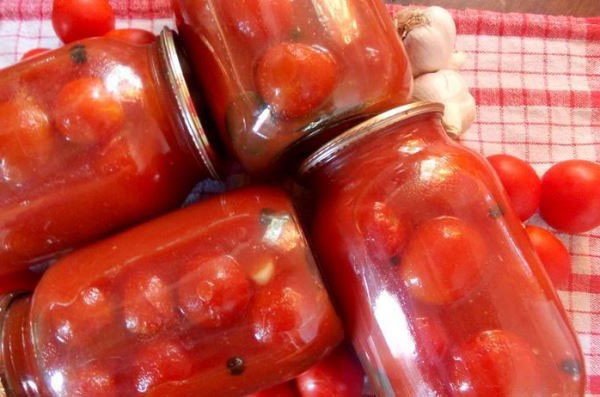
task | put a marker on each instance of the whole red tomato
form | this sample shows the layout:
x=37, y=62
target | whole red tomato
x=520, y=181
x=338, y=374
x=570, y=199
x=443, y=260
x=295, y=78
x=33, y=52
x=553, y=254
x=132, y=36
x=495, y=363
x=79, y=19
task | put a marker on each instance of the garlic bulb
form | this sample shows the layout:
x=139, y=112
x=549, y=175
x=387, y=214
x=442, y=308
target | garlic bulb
x=448, y=87
x=429, y=36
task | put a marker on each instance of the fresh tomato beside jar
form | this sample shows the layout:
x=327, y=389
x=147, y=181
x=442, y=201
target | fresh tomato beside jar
x=439, y=287
x=94, y=136
x=174, y=307
x=276, y=73
x=81, y=19
x=570, y=198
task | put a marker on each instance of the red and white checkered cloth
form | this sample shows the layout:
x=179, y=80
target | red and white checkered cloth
x=536, y=81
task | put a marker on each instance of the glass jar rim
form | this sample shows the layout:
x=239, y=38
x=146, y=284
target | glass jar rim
x=327, y=152
x=183, y=99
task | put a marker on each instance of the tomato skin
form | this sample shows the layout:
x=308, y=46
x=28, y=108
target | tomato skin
x=287, y=389
x=495, y=363
x=26, y=138
x=92, y=380
x=443, y=260
x=570, y=199
x=132, y=36
x=385, y=232
x=79, y=19
x=338, y=374
x=86, y=113
x=161, y=361
x=257, y=22
x=520, y=181
x=79, y=322
x=33, y=52
x=148, y=303
x=553, y=254
x=213, y=291
x=294, y=78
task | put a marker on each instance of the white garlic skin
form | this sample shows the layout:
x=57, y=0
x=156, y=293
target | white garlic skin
x=448, y=87
x=429, y=36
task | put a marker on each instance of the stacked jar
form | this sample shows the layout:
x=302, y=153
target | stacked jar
x=95, y=136
x=438, y=287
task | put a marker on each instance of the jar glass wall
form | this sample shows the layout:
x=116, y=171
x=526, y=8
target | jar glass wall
x=220, y=298
x=276, y=72
x=93, y=137
x=440, y=289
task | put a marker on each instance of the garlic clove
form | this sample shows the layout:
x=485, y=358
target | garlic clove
x=457, y=60
x=448, y=87
x=441, y=86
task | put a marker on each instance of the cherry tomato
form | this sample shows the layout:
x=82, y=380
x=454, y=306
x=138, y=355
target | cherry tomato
x=161, y=361
x=26, y=137
x=80, y=321
x=258, y=22
x=553, y=254
x=495, y=363
x=92, y=380
x=148, y=304
x=295, y=79
x=443, y=260
x=384, y=231
x=86, y=113
x=132, y=36
x=570, y=199
x=287, y=389
x=79, y=19
x=520, y=181
x=275, y=311
x=338, y=374
x=213, y=291
x=33, y=52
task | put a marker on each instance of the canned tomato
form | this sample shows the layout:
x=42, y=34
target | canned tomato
x=281, y=71
x=221, y=298
x=440, y=289
x=94, y=136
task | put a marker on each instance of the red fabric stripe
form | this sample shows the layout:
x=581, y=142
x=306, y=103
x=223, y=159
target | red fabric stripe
x=534, y=97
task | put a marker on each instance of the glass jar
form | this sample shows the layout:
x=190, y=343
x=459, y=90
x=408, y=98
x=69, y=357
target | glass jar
x=439, y=287
x=94, y=136
x=277, y=72
x=221, y=298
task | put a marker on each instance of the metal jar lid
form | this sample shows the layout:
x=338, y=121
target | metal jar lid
x=185, y=105
x=329, y=151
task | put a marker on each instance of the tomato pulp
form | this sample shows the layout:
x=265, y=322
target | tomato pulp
x=91, y=140
x=220, y=298
x=275, y=72
x=439, y=287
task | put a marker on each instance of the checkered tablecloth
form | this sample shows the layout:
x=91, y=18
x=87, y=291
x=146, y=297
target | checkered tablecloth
x=536, y=81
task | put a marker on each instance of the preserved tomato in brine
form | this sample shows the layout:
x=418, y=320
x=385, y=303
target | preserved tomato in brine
x=275, y=73
x=178, y=306
x=94, y=136
x=439, y=287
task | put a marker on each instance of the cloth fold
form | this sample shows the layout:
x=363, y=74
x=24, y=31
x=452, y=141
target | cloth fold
x=536, y=81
